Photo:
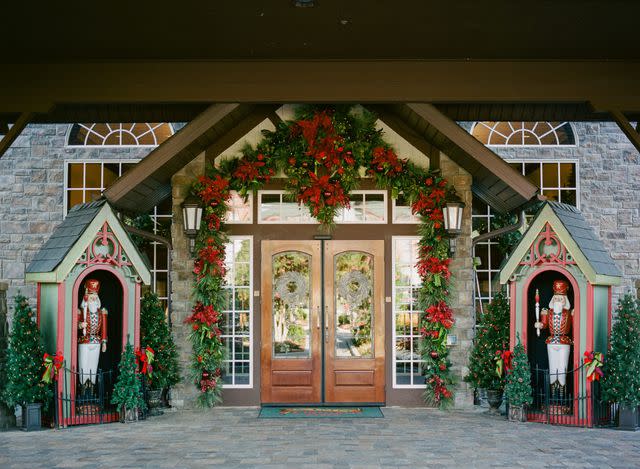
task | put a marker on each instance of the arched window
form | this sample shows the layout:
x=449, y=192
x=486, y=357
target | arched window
x=128, y=134
x=524, y=133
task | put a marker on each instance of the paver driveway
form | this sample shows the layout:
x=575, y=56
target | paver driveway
x=232, y=437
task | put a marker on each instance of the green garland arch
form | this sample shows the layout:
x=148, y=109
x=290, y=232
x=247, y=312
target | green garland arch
x=321, y=153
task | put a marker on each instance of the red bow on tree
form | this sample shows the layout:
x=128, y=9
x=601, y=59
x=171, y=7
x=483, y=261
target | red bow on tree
x=145, y=359
x=503, y=361
x=52, y=365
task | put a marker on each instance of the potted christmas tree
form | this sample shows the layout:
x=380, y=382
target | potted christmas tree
x=492, y=336
x=127, y=393
x=518, y=384
x=621, y=382
x=155, y=334
x=24, y=367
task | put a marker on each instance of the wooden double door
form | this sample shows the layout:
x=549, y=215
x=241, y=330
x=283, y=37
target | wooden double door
x=322, y=338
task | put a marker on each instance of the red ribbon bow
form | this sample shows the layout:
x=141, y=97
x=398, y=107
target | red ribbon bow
x=145, y=359
x=52, y=365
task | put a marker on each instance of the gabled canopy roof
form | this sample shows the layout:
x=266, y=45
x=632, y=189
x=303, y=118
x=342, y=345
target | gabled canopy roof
x=221, y=125
x=586, y=249
x=60, y=253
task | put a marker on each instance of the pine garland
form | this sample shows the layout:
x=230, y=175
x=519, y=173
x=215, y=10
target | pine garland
x=25, y=365
x=322, y=152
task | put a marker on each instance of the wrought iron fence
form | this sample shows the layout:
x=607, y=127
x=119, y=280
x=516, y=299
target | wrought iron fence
x=570, y=399
x=85, y=398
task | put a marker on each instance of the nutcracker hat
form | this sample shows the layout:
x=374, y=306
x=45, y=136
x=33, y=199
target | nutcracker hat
x=560, y=287
x=92, y=285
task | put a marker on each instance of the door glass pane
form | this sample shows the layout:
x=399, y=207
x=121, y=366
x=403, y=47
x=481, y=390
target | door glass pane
x=353, y=304
x=291, y=305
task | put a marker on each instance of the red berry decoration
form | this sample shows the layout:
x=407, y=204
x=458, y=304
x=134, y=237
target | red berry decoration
x=434, y=354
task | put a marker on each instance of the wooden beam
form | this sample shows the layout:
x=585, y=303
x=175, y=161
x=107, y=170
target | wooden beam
x=407, y=132
x=180, y=145
x=606, y=84
x=14, y=132
x=626, y=127
x=218, y=127
x=461, y=140
x=239, y=130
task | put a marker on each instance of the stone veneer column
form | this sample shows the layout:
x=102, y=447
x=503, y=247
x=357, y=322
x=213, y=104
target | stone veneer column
x=7, y=417
x=184, y=394
x=462, y=286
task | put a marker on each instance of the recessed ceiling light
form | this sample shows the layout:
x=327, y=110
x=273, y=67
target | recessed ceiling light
x=304, y=3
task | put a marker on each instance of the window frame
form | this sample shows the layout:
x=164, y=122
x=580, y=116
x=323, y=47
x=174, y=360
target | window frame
x=414, y=221
x=394, y=314
x=84, y=145
x=250, y=197
x=251, y=322
x=512, y=145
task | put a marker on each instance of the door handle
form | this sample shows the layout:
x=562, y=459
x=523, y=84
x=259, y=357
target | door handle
x=317, y=317
x=326, y=324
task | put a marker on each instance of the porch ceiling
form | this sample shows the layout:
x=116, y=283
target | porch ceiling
x=333, y=29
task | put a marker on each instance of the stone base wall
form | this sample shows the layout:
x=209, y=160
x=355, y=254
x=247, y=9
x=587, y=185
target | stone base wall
x=7, y=416
x=462, y=285
x=184, y=394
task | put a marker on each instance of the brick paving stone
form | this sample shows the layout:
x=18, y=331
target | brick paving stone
x=236, y=438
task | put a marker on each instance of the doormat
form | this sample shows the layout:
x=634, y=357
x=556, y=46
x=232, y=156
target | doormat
x=320, y=412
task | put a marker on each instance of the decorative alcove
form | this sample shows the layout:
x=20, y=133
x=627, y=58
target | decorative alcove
x=560, y=255
x=89, y=253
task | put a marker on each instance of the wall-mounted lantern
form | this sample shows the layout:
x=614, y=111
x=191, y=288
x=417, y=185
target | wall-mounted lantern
x=191, y=218
x=452, y=213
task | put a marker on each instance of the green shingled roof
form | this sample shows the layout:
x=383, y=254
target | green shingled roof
x=586, y=239
x=65, y=236
x=67, y=243
x=587, y=249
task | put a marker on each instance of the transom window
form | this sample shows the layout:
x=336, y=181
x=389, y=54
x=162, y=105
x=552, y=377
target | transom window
x=407, y=363
x=85, y=181
x=366, y=206
x=240, y=211
x=237, y=332
x=524, y=133
x=119, y=134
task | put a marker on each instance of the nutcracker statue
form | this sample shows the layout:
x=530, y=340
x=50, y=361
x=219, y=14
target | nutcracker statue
x=558, y=318
x=92, y=333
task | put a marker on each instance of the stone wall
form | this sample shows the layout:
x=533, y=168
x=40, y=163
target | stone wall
x=185, y=393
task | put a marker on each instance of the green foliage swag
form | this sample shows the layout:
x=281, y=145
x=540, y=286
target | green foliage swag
x=621, y=382
x=127, y=391
x=492, y=337
x=322, y=153
x=518, y=390
x=25, y=360
x=155, y=333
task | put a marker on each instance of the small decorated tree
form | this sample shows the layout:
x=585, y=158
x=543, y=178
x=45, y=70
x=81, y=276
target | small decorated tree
x=518, y=383
x=127, y=391
x=24, y=360
x=491, y=339
x=155, y=333
x=621, y=382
